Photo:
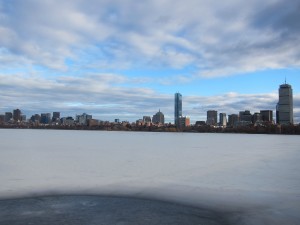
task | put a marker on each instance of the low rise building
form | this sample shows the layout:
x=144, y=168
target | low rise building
x=83, y=119
x=93, y=122
x=183, y=121
x=267, y=115
x=67, y=121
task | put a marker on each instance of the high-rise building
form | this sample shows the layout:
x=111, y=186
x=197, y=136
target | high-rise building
x=158, y=118
x=36, y=118
x=284, y=109
x=245, y=116
x=178, y=108
x=223, y=119
x=45, y=118
x=55, y=116
x=17, y=115
x=233, y=119
x=212, y=117
x=257, y=118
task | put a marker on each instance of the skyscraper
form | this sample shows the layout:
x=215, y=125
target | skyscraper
x=245, y=116
x=223, y=119
x=233, y=119
x=178, y=107
x=45, y=118
x=284, y=109
x=212, y=117
x=55, y=116
x=17, y=115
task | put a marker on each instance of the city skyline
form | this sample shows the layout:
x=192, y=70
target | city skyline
x=284, y=115
x=126, y=60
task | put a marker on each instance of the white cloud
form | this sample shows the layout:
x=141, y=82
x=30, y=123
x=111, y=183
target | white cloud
x=219, y=39
x=85, y=40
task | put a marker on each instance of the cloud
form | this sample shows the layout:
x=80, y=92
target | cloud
x=72, y=56
x=218, y=39
x=106, y=97
x=96, y=94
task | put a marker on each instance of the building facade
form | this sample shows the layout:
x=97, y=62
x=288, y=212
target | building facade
x=45, y=118
x=83, y=119
x=2, y=119
x=17, y=115
x=257, y=118
x=36, y=118
x=245, y=116
x=233, y=119
x=284, y=109
x=158, y=118
x=184, y=121
x=68, y=121
x=8, y=116
x=146, y=119
x=212, y=117
x=55, y=116
x=266, y=115
x=223, y=119
x=178, y=108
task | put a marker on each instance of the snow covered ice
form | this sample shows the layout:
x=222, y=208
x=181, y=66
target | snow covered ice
x=251, y=179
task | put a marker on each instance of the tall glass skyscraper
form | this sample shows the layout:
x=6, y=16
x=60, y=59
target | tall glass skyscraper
x=178, y=107
x=284, y=109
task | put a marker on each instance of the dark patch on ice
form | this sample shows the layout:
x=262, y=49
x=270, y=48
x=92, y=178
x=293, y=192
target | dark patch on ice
x=98, y=210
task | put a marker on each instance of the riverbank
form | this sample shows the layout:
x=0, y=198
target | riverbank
x=250, y=129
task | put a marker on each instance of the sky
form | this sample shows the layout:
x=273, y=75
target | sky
x=125, y=59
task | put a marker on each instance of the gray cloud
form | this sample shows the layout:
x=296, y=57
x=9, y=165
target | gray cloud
x=280, y=16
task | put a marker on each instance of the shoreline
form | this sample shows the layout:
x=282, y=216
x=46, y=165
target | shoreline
x=274, y=129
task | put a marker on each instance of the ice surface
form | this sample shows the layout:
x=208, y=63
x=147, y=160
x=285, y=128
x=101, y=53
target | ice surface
x=254, y=177
x=99, y=210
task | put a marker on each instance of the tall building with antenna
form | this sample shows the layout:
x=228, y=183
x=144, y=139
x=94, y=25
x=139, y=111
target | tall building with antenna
x=284, y=108
x=178, y=108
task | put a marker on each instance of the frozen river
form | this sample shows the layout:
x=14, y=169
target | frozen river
x=236, y=178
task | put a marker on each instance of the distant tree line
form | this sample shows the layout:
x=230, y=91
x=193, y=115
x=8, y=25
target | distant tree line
x=269, y=129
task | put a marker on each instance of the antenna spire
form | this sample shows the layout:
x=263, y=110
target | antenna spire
x=285, y=80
